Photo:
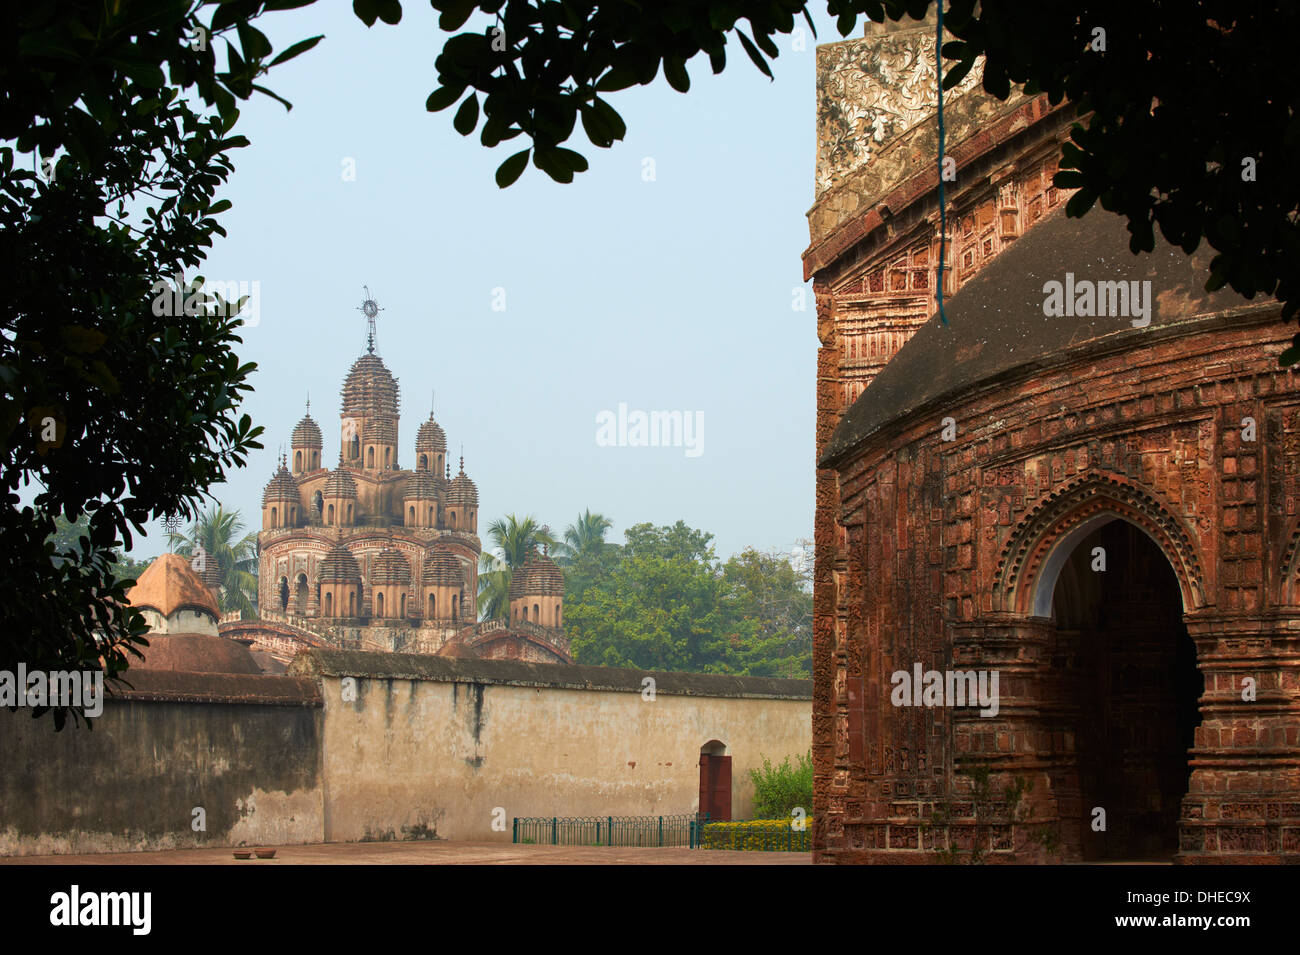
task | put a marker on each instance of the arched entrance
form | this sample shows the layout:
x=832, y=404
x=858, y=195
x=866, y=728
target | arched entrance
x=1126, y=691
x=300, y=596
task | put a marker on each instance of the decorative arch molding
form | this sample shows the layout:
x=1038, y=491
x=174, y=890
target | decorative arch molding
x=1043, y=539
x=1289, y=591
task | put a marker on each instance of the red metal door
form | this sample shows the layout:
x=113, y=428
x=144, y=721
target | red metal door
x=715, y=787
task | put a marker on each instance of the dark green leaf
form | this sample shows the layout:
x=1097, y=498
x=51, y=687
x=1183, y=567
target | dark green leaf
x=302, y=46
x=467, y=116
x=512, y=169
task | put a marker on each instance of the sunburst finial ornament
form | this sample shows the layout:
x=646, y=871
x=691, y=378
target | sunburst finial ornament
x=370, y=309
x=171, y=523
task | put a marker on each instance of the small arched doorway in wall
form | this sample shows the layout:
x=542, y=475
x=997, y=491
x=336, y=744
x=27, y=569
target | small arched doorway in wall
x=284, y=594
x=715, y=781
x=1127, y=694
x=300, y=596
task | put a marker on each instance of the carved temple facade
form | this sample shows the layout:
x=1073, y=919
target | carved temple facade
x=1102, y=508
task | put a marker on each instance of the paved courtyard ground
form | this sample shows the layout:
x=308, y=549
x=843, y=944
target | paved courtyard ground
x=430, y=853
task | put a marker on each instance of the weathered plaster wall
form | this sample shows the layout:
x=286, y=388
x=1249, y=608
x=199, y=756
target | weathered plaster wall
x=435, y=745
x=427, y=748
x=244, y=748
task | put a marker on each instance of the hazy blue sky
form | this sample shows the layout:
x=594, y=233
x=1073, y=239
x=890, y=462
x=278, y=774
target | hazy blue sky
x=675, y=294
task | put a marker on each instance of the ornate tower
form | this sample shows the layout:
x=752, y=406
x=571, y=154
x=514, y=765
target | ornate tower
x=443, y=586
x=369, y=419
x=339, y=499
x=280, y=500
x=431, y=447
x=306, y=445
x=537, y=592
x=462, y=503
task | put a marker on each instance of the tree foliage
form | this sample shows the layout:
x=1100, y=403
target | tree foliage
x=779, y=790
x=667, y=603
x=584, y=554
x=118, y=123
x=1175, y=98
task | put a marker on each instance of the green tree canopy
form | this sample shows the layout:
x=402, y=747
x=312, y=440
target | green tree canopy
x=584, y=554
x=1174, y=97
x=121, y=381
x=668, y=604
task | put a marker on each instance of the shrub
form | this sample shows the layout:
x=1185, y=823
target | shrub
x=757, y=835
x=780, y=789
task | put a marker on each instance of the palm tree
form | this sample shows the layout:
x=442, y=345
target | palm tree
x=229, y=563
x=585, y=538
x=513, y=541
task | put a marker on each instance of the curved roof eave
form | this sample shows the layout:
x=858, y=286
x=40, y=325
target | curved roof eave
x=998, y=330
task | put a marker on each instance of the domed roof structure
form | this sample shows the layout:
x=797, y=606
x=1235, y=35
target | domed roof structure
x=340, y=567
x=421, y=487
x=462, y=492
x=340, y=484
x=442, y=569
x=196, y=653
x=170, y=584
x=539, y=577
x=306, y=433
x=281, y=487
x=390, y=567
x=430, y=438
x=369, y=389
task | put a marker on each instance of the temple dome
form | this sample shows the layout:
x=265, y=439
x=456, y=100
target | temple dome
x=306, y=434
x=281, y=487
x=390, y=567
x=340, y=484
x=430, y=438
x=462, y=492
x=539, y=577
x=340, y=567
x=170, y=584
x=369, y=389
x=421, y=487
x=442, y=569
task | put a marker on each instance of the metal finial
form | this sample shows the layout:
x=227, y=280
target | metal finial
x=369, y=308
x=309, y=403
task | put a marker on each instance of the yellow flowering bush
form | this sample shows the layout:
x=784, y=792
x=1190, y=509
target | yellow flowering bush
x=758, y=835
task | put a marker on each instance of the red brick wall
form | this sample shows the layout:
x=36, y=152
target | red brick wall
x=944, y=543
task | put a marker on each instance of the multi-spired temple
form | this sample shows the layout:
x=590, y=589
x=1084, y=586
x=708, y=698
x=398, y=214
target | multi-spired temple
x=1086, y=483
x=371, y=555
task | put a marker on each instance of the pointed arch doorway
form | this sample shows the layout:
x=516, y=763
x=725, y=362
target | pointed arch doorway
x=1126, y=693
